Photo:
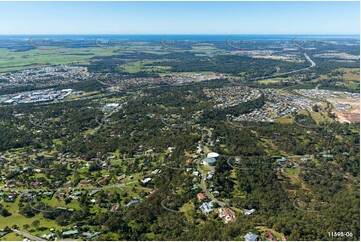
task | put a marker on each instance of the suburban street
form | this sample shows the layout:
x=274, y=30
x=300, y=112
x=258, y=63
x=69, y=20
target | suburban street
x=204, y=187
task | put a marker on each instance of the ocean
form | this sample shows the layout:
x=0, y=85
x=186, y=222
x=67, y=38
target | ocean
x=213, y=37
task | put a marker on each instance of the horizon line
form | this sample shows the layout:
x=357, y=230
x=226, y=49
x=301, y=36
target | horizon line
x=176, y=34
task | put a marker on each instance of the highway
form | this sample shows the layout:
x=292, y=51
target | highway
x=312, y=64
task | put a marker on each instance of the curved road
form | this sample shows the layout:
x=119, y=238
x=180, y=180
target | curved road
x=313, y=64
x=204, y=187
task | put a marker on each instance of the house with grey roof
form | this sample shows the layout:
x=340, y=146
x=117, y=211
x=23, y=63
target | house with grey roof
x=250, y=237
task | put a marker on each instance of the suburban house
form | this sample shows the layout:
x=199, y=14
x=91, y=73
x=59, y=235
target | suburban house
x=103, y=180
x=304, y=159
x=201, y=196
x=281, y=160
x=92, y=193
x=206, y=208
x=146, y=180
x=226, y=214
x=50, y=236
x=20, y=183
x=133, y=202
x=119, y=178
x=34, y=184
x=83, y=182
x=270, y=236
x=89, y=235
x=69, y=233
x=249, y=212
x=250, y=237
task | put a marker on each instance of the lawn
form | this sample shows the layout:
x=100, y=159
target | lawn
x=55, y=203
x=207, y=168
x=20, y=220
x=11, y=237
x=188, y=209
x=293, y=172
x=57, y=141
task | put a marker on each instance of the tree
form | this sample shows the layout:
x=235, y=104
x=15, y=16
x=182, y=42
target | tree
x=7, y=229
x=5, y=213
x=35, y=223
x=215, y=205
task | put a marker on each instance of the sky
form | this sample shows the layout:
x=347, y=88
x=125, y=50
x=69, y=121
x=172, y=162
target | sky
x=179, y=18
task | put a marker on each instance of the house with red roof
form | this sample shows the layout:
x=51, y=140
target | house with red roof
x=201, y=196
x=226, y=214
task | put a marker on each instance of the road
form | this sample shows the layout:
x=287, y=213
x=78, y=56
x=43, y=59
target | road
x=203, y=182
x=27, y=235
x=204, y=187
x=203, y=175
x=313, y=64
x=104, y=120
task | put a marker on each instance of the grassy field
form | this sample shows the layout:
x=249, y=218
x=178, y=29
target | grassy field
x=138, y=66
x=20, y=221
x=13, y=61
x=292, y=171
x=55, y=203
x=11, y=237
x=204, y=48
x=349, y=78
x=188, y=209
x=236, y=192
x=285, y=120
x=350, y=74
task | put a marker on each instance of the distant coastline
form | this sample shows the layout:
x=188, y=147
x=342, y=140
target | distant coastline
x=205, y=37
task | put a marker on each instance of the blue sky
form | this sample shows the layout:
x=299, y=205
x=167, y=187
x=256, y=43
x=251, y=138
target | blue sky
x=179, y=18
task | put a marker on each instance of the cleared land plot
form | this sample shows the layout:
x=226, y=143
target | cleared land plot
x=273, y=80
x=349, y=116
